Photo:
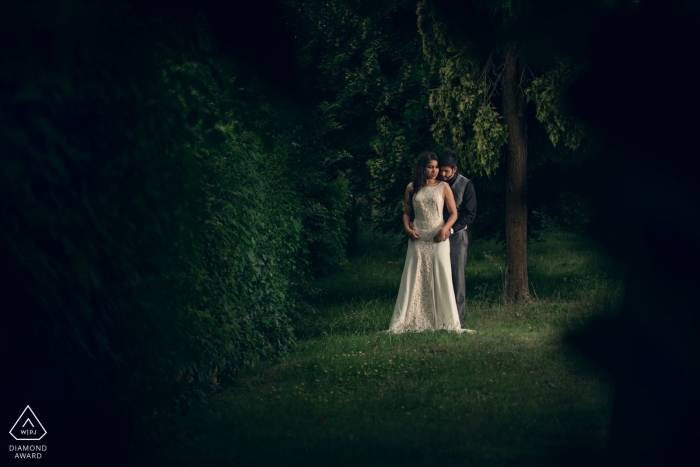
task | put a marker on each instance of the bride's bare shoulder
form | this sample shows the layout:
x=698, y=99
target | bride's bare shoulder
x=409, y=187
x=447, y=190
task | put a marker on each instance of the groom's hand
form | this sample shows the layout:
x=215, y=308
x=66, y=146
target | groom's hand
x=441, y=236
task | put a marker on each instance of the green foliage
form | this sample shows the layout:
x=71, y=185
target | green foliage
x=490, y=136
x=247, y=253
x=385, y=186
x=464, y=119
x=465, y=101
x=365, y=59
x=400, y=78
x=98, y=190
x=159, y=220
x=325, y=225
x=547, y=92
x=464, y=98
x=267, y=221
x=326, y=191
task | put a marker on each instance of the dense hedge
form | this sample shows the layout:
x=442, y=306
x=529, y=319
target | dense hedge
x=158, y=218
x=248, y=272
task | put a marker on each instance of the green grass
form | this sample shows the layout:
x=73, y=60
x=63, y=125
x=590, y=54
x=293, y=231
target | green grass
x=511, y=394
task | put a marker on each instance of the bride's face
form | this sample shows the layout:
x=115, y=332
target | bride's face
x=431, y=170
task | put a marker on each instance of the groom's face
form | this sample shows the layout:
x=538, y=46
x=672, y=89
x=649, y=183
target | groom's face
x=447, y=173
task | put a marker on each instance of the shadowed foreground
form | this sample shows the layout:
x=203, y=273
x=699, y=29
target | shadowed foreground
x=512, y=393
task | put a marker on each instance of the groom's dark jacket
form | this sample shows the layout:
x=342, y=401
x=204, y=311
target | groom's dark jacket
x=465, y=199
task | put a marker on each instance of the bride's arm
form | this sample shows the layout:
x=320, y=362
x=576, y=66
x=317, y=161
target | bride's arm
x=407, y=212
x=452, y=209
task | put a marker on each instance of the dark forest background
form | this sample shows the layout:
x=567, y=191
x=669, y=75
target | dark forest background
x=174, y=176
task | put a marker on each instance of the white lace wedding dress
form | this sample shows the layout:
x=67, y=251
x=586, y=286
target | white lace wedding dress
x=426, y=299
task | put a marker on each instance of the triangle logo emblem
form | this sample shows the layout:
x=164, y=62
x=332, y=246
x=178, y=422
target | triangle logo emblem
x=28, y=427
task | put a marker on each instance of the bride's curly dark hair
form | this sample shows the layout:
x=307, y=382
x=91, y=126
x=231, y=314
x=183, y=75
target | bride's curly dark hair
x=419, y=170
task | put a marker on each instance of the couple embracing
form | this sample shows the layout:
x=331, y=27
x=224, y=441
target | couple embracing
x=438, y=206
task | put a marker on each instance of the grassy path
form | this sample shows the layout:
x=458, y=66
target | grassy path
x=512, y=394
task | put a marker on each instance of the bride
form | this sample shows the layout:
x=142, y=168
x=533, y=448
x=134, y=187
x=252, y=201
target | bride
x=426, y=298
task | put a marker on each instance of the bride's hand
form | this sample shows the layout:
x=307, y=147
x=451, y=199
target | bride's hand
x=442, y=235
x=412, y=234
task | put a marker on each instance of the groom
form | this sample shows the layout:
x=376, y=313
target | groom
x=465, y=199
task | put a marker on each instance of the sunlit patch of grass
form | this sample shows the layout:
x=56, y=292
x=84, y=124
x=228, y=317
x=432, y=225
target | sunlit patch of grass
x=351, y=395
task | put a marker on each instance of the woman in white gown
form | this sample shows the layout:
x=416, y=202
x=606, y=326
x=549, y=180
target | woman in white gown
x=426, y=299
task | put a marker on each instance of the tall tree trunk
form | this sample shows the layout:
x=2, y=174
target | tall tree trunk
x=514, y=103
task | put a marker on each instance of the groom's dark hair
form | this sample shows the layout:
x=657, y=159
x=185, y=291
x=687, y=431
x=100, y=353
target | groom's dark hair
x=447, y=158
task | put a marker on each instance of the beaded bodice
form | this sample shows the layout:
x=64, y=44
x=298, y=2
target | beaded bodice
x=427, y=207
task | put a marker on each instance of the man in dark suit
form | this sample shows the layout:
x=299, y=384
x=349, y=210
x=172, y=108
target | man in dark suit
x=465, y=199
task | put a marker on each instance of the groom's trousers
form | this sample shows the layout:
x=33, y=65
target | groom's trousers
x=458, y=257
